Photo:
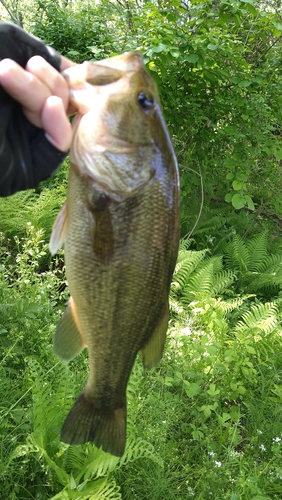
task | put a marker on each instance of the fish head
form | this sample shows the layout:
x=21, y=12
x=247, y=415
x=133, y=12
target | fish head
x=120, y=137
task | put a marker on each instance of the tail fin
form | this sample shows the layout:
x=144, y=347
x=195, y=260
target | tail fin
x=86, y=423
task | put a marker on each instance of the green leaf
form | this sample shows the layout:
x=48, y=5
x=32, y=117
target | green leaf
x=228, y=197
x=171, y=17
x=250, y=349
x=277, y=25
x=244, y=83
x=238, y=201
x=212, y=46
x=212, y=391
x=278, y=154
x=168, y=381
x=73, y=53
x=193, y=58
x=241, y=176
x=72, y=483
x=229, y=176
x=175, y=53
x=224, y=18
x=159, y=48
x=237, y=185
x=250, y=202
x=191, y=389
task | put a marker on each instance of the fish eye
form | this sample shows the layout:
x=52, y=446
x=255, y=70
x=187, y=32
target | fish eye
x=145, y=100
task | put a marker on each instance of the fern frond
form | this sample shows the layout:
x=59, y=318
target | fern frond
x=110, y=491
x=48, y=402
x=257, y=248
x=272, y=264
x=227, y=306
x=223, y=280
x=138, y=448
x=209, y=225
x=237, y=255
x=209, y=278
x=216, y=261
x=261, y=317
x=200, y=281
x=97, y=463
x=185, y=244
x=74, y=459
x=95, y=490
x=187, y=262
x=267, y=282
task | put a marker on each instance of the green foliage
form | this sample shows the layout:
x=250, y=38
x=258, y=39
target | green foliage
x=209, y=413
x=218, y=288
x=79, y=30
x=206, y=423
x=39, y=207
x=73, y=472
x=258, y=270
x=217, y=65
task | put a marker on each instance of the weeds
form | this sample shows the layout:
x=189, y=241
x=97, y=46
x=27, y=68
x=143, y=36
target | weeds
x=205, y=423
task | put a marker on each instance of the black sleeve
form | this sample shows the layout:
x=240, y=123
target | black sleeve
x=26, y=156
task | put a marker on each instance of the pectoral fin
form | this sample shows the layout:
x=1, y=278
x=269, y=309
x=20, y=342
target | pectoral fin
x=153, y=350
x=59, y=230
x=103, y=235
x=68, y=341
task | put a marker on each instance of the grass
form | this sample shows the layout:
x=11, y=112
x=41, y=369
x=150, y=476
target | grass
x=206, y=423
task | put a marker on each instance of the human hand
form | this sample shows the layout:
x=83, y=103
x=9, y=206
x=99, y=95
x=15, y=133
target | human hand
x=35, y=133
x=43, y=94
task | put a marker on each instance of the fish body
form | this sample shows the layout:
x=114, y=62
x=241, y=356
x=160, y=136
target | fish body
x=120, y=228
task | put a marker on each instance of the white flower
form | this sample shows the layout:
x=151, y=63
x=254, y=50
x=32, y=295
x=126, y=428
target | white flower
x=234, y=453
x=262, y=447
x=190, y=491
x=218, y=464
x=276, y=440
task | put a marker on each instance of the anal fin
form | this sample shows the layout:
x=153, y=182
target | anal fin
x=68, y=341
x=153, y=350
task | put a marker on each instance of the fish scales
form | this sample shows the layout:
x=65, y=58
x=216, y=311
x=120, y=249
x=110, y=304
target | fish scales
x=120, y=227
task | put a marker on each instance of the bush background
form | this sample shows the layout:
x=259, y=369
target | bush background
x=206, y=422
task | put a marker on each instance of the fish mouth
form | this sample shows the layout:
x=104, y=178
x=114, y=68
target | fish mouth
x=104, y=71
x=89, y=79
x=104, y=149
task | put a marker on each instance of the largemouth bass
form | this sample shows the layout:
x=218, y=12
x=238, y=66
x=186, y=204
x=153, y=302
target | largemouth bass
x=120, y=228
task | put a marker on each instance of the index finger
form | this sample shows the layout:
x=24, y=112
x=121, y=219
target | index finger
x=66, y=63
x=22, y=85
x=50, y=78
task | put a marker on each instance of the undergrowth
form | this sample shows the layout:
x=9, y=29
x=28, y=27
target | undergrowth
x=205, y=423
